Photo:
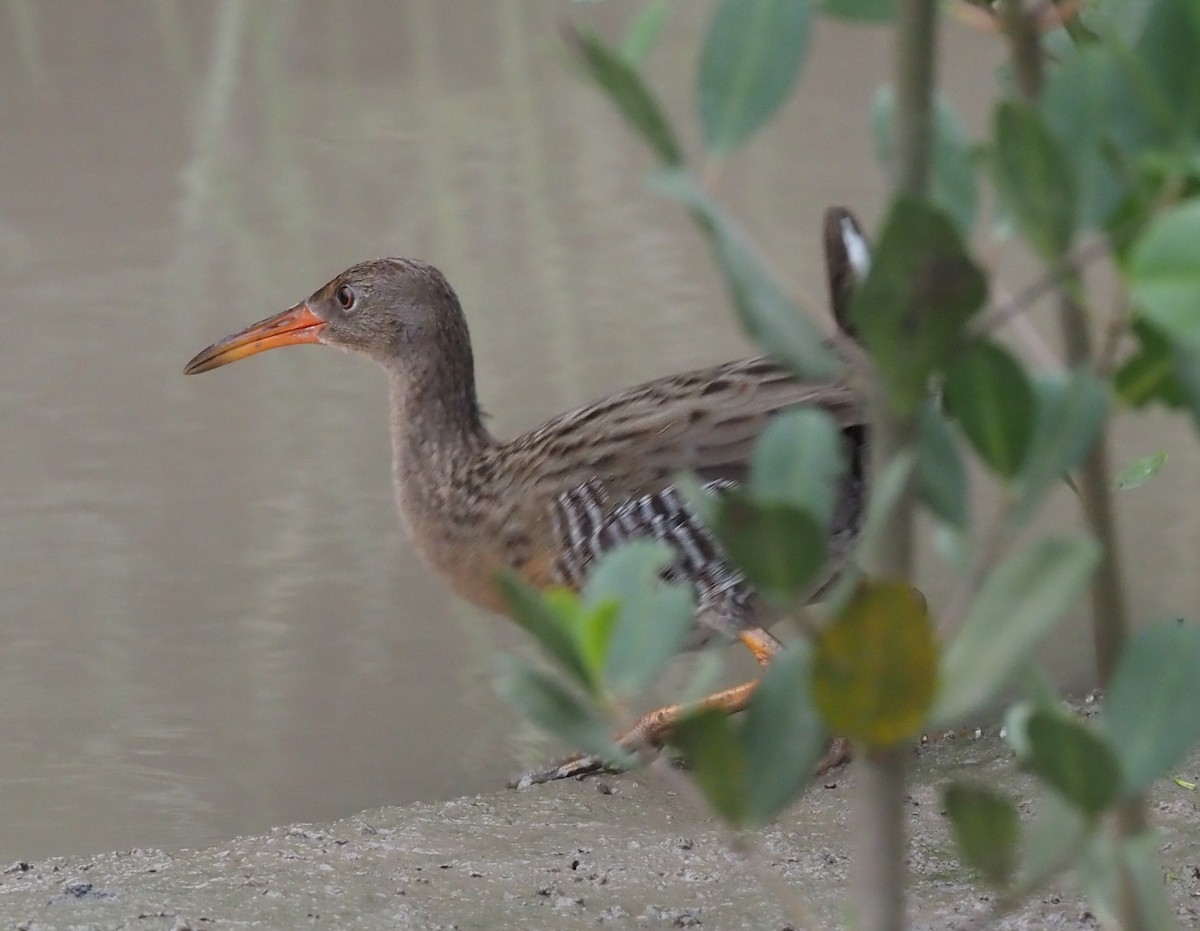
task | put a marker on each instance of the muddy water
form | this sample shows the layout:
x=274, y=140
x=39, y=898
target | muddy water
x=211, y=621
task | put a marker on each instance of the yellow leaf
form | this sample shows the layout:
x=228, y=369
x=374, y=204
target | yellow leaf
x=875, y=667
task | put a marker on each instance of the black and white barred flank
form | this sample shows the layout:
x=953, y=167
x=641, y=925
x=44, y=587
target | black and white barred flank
x=590, y=525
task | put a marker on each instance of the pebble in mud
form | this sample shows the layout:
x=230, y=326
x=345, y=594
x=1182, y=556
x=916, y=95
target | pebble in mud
x=81, y=889
x=671, y=917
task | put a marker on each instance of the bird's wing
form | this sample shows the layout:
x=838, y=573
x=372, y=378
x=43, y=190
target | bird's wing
x=607, y=473
x=705, y=421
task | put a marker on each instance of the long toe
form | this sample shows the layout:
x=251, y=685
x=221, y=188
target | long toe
x=567, y=769
x=838, y=754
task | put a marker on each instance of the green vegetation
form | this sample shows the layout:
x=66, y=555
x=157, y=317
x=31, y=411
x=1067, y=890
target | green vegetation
x=1091, y=158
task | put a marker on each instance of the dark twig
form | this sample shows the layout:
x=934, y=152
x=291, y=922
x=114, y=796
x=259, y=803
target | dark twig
x=1048, y=284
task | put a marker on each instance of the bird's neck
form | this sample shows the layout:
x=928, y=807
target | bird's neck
x=437, y=431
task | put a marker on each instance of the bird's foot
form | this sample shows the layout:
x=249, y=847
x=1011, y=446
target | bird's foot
x=582, y=765
x=639, y=744
x=571, y=768
x=837, y=755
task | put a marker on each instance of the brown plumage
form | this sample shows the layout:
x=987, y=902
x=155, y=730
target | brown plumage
x=549, y=502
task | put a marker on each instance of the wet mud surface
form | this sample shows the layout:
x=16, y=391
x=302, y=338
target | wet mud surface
x=631, y=851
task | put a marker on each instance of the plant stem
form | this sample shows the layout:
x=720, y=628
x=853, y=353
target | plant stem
x=890, y=553
x=1004, y=310
x=879, y=834
x=916, y=44
x=1110, y=615
x=1110, y=612
x=1026, y=49
x=880, y=840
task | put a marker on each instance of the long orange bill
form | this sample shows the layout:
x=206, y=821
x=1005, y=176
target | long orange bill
x=292, y=327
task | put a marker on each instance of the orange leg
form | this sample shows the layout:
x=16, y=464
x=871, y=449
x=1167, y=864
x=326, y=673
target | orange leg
x=762, y=643
x=650, y=731
x=645, y=737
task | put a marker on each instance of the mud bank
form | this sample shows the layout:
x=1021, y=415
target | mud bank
x=619, y=852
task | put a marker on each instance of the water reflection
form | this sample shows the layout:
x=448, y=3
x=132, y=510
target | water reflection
x=212, y=622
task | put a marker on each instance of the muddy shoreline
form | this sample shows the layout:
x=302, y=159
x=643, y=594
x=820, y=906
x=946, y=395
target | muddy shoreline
x=625, y=851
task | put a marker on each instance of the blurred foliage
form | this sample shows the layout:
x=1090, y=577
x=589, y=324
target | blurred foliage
x=1100, y=165
x=875, y=671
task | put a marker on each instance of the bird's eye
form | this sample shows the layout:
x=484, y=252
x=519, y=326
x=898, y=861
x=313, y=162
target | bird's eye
x=347, y=297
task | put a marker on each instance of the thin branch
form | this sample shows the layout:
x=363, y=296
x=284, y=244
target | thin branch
x=853, y=355
x=1114, y=335
x=1037, y=347
x=995, y=540
x=1021, y=29
x=1026, y=297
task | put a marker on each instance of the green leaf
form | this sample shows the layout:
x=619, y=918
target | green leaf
x=710, y=746
x=780, y=548
x=767, y=314
x=644, y=32
x=1150, y=373
x=654, y=617
x=783, y=736
x=624, y=86
x=1075, y=761
x=953, y=187
x=1150, y=94
x=1053, y=842
x=867, y=11
x=750, y=773
x=988, y=393
x=1104, y=868
x=1075, y=105
x=1034, y=179
x=986, y=830
x=1164, y=273
x=1016, y=722
x=1168, y=82
x=589, y=626
x=1140, y=471
x=941, y=473
x=559, y=712
x=1120, y=18
x=798, y=461
x=1018, y=604
x=1152, y=711
x=1070, y=415
x=875, y=668
x=548, y=624
x=750, y=61
x=921, y=290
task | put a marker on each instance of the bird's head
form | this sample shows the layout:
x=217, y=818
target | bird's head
x=397, y=311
